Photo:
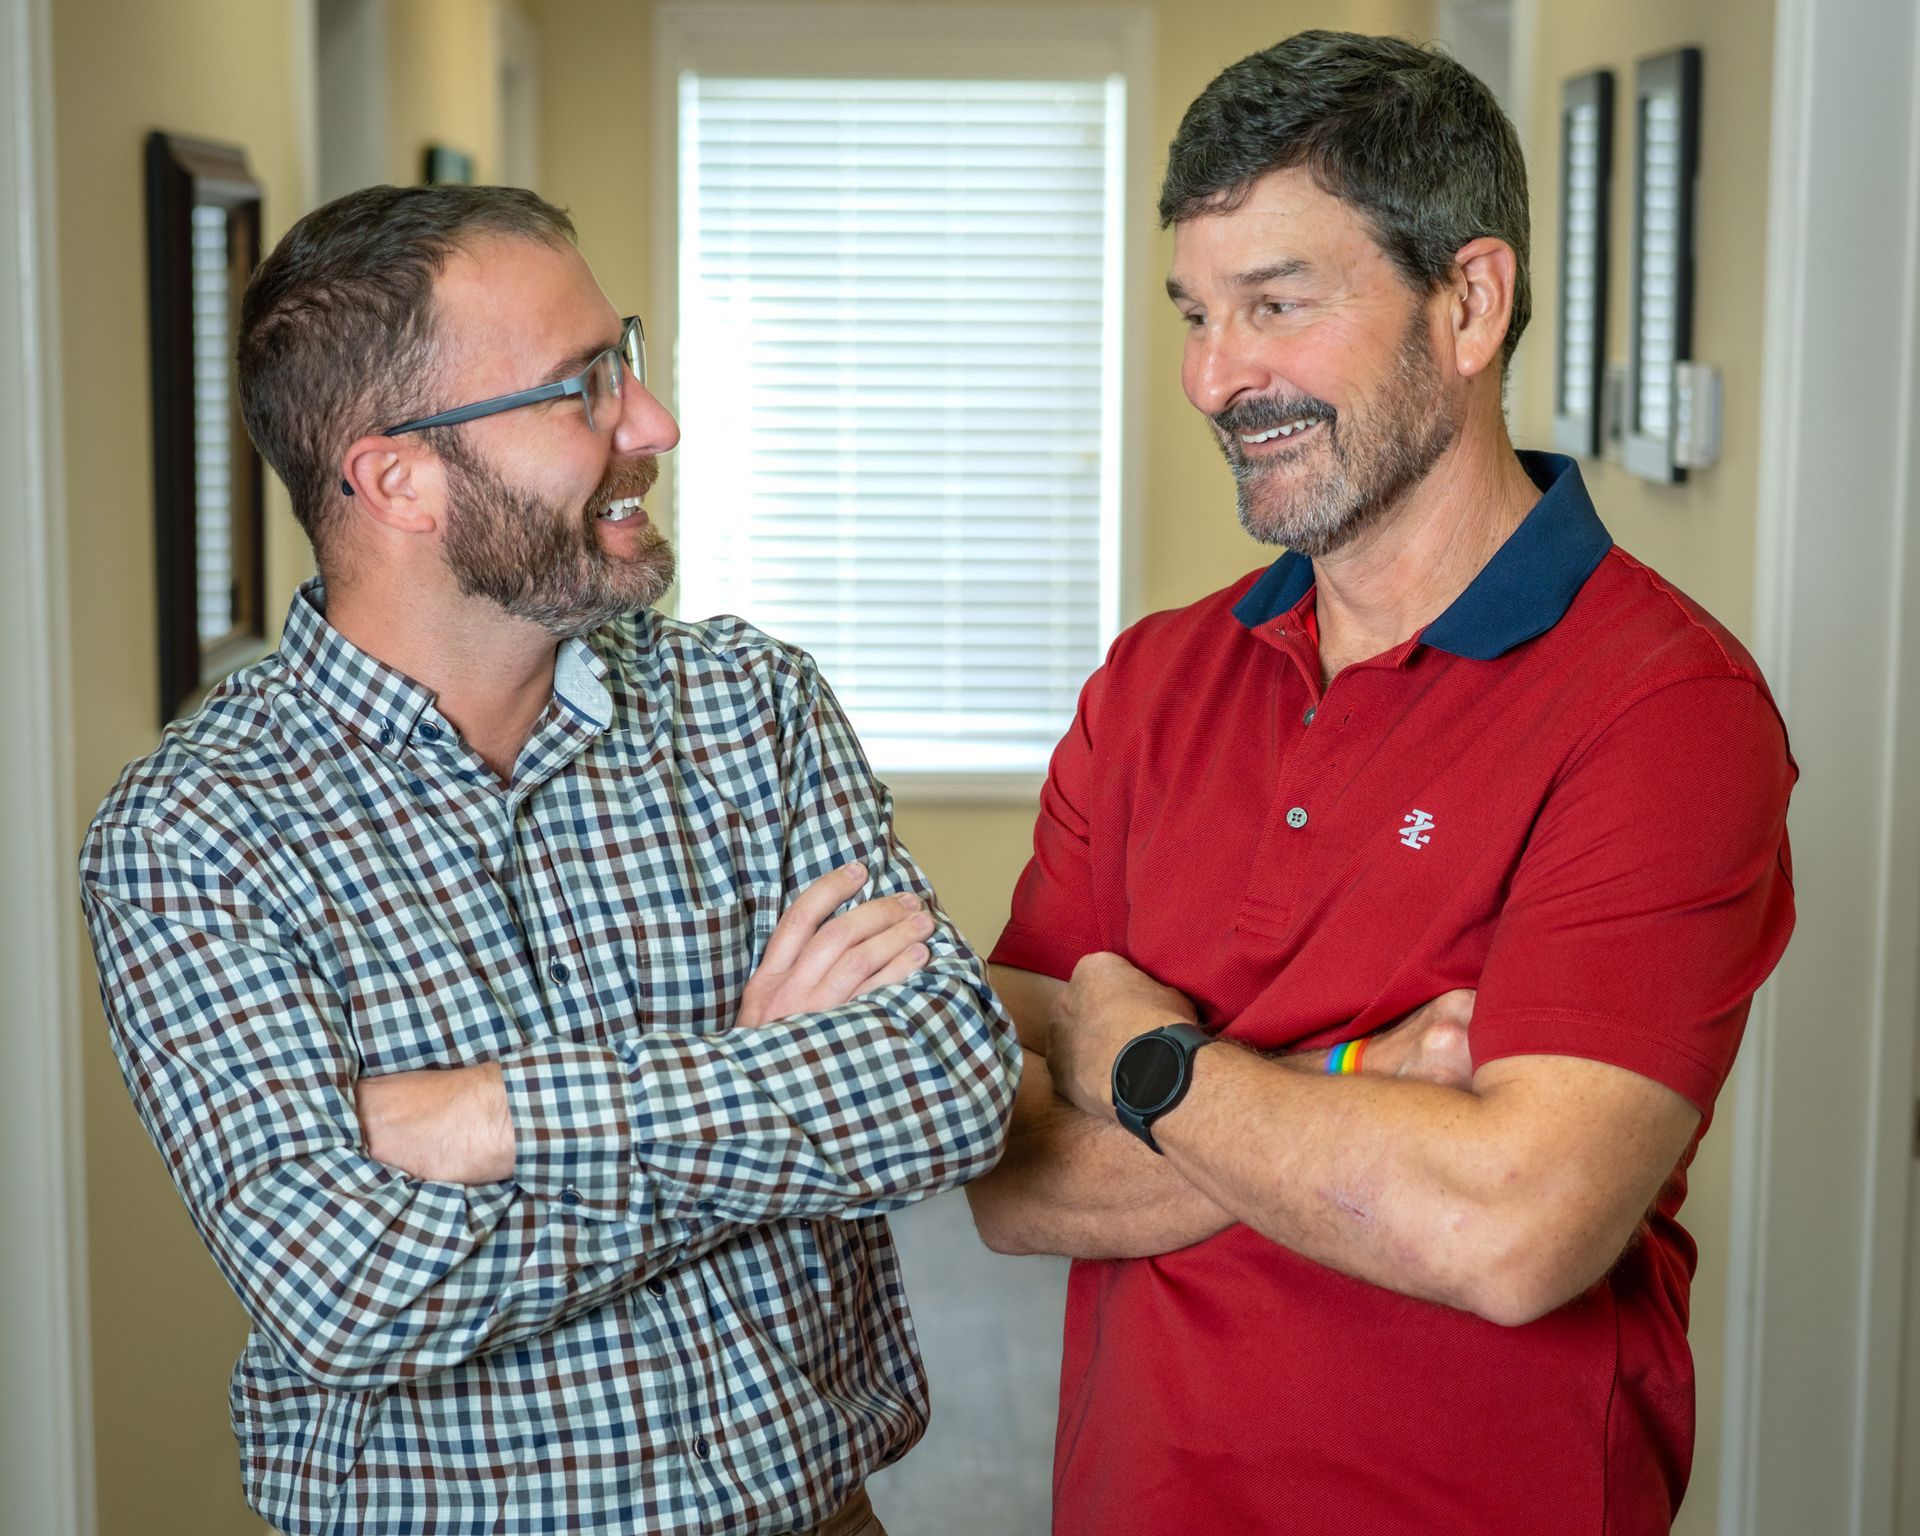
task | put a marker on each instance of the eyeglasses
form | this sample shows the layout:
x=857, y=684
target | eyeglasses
x=599, y=386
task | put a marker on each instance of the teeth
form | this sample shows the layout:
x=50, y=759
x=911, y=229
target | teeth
x=1285, y=430
x=621, y=510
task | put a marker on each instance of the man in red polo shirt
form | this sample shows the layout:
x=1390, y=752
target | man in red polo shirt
x=1453, y=739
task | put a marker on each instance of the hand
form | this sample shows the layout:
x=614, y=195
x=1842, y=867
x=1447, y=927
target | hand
x=816, y=960
x=449, y=1123
x=1429, y=1045
x=1108, y=1002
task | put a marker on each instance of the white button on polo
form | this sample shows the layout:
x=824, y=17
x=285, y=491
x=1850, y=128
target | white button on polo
x=1297, y=817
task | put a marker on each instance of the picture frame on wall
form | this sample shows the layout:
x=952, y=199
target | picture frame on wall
x=1666, y=168
x=203, y=242
x=1586, y=192
x=444, y=166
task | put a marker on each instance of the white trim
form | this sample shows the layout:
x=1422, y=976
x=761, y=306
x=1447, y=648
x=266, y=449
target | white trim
x=1823, y=1091
x=517, y=47
x=46, y=1450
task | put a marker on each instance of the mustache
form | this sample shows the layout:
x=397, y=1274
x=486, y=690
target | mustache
x=1267, y=412
x=631, y=477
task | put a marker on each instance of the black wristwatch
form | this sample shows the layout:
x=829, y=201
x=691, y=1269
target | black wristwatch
x=1151, y=1075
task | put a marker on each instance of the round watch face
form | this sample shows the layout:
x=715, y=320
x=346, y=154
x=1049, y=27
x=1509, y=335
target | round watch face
x=1146, y=1073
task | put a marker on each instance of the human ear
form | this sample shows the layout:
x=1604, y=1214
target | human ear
x=392, y=481
x=1482, y=307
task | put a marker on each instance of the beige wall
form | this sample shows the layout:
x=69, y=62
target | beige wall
x=165, y=1329
x=1701, y=534
x=442, y=65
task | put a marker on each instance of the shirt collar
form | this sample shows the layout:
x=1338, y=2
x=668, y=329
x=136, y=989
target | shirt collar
x=384, y=704
x=1523, y=591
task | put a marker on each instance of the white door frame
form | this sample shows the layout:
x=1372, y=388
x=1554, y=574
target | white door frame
x=1823, y=1104
x=46, y=1460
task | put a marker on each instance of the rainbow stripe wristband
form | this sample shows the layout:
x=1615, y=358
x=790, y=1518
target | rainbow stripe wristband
x=1344, y=1059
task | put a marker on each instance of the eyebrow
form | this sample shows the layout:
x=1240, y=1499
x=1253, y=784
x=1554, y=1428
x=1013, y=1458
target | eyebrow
x=1278, y=272
x=576, y=362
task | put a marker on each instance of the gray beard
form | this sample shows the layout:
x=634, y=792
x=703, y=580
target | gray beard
x=1376, y=458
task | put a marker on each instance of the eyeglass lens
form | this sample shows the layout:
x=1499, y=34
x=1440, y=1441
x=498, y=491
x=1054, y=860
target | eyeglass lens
x=604, y=379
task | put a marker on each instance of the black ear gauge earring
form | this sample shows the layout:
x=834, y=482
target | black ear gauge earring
x=346, y=486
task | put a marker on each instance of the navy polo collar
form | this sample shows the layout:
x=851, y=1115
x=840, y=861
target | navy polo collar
x=1523, y=591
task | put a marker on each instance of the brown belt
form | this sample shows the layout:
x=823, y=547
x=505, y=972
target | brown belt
x=852, y=1516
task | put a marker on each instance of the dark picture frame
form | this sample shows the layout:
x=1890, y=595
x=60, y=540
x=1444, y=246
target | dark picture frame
x=442, y=166
x=203, y=241
x=1586, y=196
x=1666, y=173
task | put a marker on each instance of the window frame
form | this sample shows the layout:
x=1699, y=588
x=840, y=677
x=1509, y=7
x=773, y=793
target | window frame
x=798, y=38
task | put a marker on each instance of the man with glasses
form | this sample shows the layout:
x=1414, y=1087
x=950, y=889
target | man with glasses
x=488, y=963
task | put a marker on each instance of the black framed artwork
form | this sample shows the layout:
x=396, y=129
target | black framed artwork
x=203, y=242
x=443, y=165
x=1586, y=181
x=1666, y=135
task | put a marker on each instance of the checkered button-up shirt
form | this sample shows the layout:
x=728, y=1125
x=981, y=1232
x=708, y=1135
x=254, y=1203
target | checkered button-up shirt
x=684, y=1311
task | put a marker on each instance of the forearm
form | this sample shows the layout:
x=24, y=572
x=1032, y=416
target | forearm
x=857, y=1109
x=1074, y=1185
x=1465, y=1198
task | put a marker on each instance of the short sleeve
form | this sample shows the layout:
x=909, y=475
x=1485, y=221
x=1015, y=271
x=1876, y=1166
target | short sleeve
x=1654, y=896
x=1053, y=922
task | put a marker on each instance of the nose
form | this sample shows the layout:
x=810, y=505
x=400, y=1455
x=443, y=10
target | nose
x=645, y=425
x=1221, y=366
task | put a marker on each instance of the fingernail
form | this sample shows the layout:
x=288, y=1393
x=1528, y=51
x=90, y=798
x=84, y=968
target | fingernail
x=923, y=923
x=855, y=869
x=910, y=901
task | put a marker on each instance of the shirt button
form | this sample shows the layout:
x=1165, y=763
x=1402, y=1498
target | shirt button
x=570, y=1195
x=656, y=1288
x=706, y=1205
x=558, y=971
x=701, y=1448
x=1307, y=718
x=386, y=734
x=429, y=731
x=1297, y=817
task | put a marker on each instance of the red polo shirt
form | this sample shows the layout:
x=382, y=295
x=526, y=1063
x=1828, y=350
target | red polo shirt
x=1569, y=791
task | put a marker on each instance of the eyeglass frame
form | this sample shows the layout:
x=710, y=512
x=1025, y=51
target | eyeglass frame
x=633, y=359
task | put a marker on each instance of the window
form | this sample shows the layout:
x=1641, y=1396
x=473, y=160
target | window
x=898, y=370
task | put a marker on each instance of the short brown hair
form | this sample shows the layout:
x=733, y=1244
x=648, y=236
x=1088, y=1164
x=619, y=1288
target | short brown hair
x=1409, y=137
x=337, y=326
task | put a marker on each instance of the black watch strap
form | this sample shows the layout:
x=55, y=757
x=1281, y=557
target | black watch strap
x=1152, y=1074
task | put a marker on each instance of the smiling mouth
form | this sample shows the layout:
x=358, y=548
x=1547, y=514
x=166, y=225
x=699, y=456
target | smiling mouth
x=623, y=510
x=1284, y=430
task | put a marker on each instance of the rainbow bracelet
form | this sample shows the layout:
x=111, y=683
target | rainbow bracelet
x=1344, y=1059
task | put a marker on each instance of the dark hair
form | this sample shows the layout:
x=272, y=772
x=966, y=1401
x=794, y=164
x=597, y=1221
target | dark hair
x=1405, y=135
x=337, y=326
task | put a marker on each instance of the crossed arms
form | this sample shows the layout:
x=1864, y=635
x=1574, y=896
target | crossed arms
x=456, y=1124
x=633, y=1150
x=1505, y=1194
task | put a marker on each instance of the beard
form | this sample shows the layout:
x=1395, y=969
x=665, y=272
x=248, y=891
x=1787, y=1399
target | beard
x=540, y=562
x=1373, y=456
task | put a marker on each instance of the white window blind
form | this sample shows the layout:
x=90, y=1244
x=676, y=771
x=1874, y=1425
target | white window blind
x=213, y=468
x=1659, y=260
x=898, y=377
x=1581, y=300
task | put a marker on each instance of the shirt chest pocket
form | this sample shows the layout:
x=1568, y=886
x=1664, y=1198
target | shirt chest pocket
x=682, y=968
